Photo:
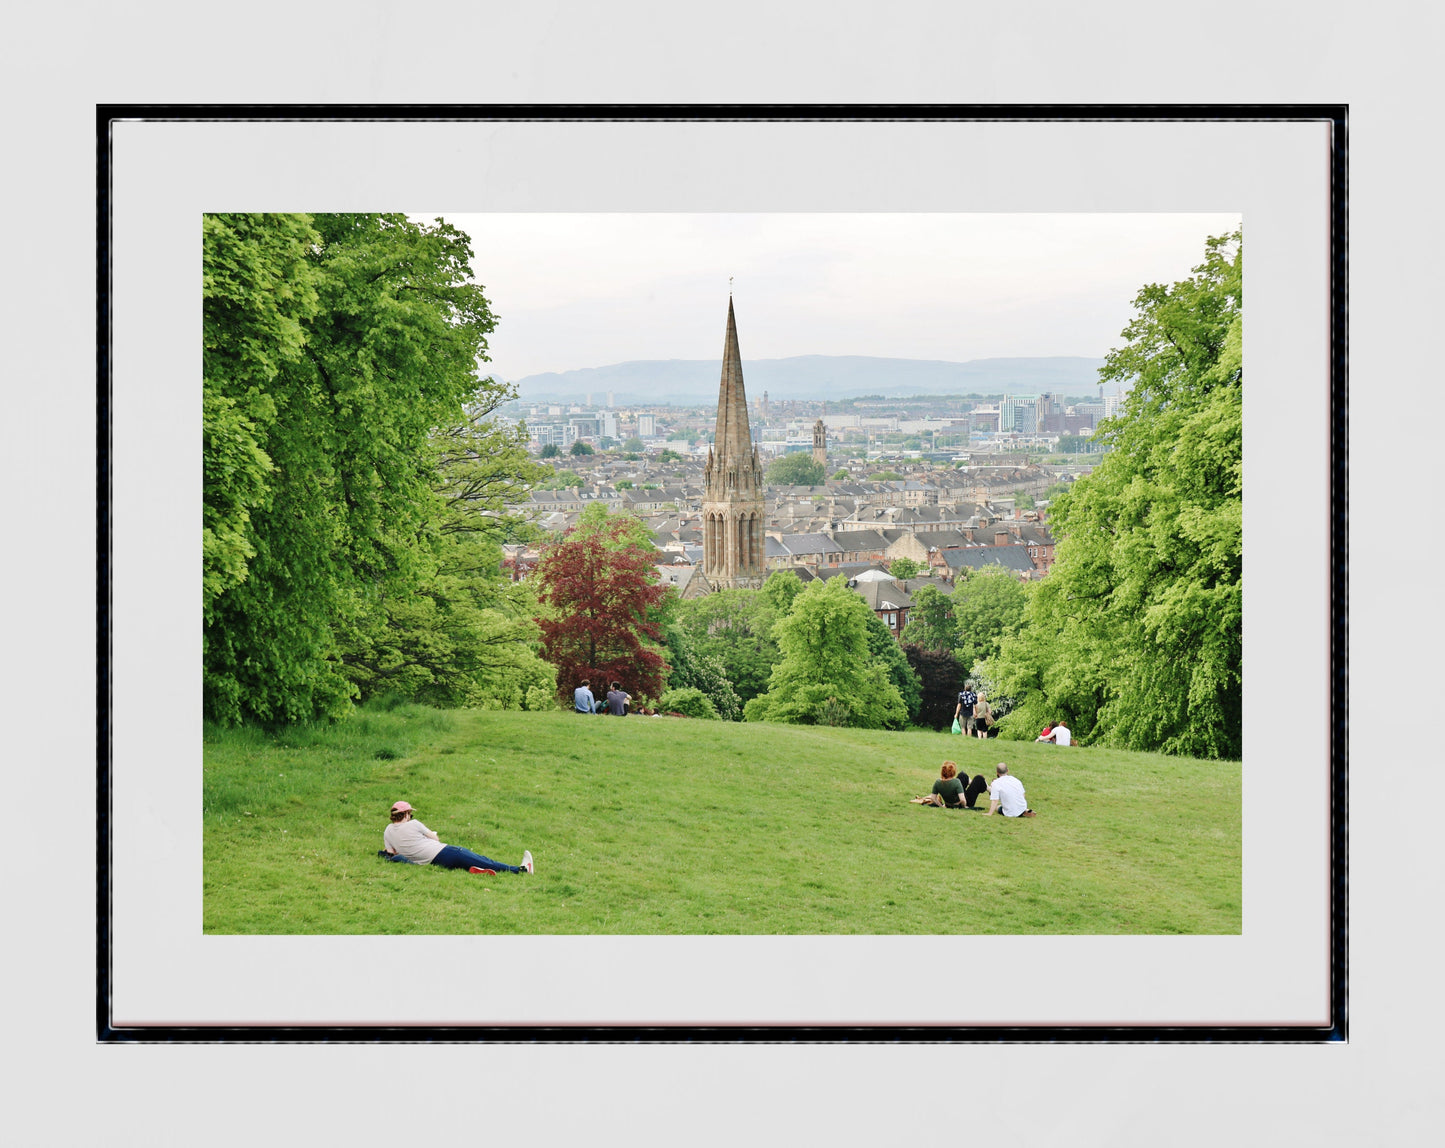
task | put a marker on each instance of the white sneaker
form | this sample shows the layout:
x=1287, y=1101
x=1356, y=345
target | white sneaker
x=527, y=861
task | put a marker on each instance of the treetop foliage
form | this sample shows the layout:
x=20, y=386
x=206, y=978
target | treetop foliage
x=1134, y=638
x=607, y=607
x=827, y=673
x=797, y=469
x=346, y=454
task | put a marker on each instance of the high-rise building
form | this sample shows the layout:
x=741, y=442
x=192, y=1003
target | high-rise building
x=1018, y=414
x=732, y=507
x=646, y=426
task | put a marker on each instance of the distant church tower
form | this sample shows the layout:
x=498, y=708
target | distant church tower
x=732, y=508
x=820, y=445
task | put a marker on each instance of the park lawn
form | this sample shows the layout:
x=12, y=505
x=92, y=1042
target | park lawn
x=674, y=826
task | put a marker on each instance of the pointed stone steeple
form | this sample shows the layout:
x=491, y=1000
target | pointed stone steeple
x=732, y=435
x=733, y=539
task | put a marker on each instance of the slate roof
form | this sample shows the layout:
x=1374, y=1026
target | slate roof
x=809, y=544
x=851, y=540
x=1014, y=558
x=887, y=595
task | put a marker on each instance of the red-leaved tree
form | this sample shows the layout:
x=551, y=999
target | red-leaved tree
x=604, y=590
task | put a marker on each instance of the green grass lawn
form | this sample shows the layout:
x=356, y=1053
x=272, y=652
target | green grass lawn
x=665, y=825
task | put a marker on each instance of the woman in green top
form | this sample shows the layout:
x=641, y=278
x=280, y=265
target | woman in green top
x=952, y=790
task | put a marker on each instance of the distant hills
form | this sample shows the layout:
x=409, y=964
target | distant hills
x=690, y=382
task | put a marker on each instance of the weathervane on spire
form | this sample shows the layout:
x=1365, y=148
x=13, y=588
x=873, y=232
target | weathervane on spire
x=730, y=287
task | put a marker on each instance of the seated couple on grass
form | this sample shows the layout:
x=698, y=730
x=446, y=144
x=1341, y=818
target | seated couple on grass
x=1057, y=733
x=953, y=790
x=1006, y=794
x=407, y=839
x=617, y=702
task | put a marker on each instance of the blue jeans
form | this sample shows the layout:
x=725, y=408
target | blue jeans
x=455, y=857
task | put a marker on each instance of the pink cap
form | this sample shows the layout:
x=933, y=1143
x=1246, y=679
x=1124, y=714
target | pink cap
x=401, y=807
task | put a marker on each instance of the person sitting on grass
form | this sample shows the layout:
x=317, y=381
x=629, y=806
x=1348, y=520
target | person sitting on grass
x=953, y=790
x=582, y=700
x=1058, y=733
x=1006, y=795
x=618, y=700
x=407, y=839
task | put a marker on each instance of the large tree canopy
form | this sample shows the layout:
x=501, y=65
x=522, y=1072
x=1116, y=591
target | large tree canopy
x=335, y=348
x=606, y=608
x=827, y=674
x=796, y=469
x=1134, y=637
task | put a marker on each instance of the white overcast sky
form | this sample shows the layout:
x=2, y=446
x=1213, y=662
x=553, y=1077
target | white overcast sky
x=574, y=291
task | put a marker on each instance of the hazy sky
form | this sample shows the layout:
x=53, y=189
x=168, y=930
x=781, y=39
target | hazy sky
x=576, y=291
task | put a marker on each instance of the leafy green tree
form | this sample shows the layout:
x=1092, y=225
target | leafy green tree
x=1071, y=443
x=559, y=480
x=580, y=448
x=617, y=530
x=624, y=484
x=669, y=456
x=905, y=568
x=689, y=702
x=634, y=445
x=1135, y=635
x=781, y=588
x=736, y=628
x=465, y=636
x=931, y=625
x=703, y=673
x=886, y=476
x=333, y=345
x=826, y=663
x=841, y=475
x=1023, y=500
x=885, y=652
x=796, y=469
x=988, y=608
x=551, y=450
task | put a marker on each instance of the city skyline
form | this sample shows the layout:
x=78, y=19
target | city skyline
x=574, y=291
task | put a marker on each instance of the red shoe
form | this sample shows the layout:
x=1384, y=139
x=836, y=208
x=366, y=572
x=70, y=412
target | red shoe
x=487, y=872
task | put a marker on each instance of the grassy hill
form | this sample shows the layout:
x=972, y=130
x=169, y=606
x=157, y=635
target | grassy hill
x=663, y=825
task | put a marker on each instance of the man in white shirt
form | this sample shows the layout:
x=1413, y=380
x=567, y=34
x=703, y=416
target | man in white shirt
x=1006, y=795
x=1059, y=734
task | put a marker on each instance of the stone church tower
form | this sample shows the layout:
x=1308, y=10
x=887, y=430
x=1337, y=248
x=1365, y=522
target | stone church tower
x=732, y=507
x=820, y=446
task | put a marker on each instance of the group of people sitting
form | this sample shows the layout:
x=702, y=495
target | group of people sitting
x=617, y=702
x=954, y=790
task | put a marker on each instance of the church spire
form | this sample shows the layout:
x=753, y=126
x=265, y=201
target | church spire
x=731, y=433
x=734, y=539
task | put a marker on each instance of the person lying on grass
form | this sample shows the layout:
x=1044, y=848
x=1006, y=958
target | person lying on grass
x=953, y=790
x=407, y=839
x=1006, y=795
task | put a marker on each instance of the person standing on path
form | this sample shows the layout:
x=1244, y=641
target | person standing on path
x=407, y=839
